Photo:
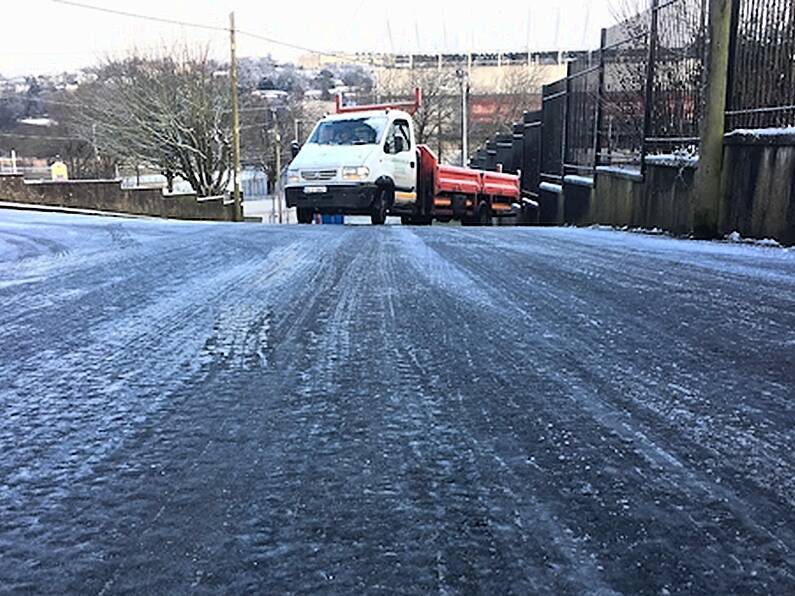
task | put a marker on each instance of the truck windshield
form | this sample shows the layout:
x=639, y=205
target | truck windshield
x=355, y=131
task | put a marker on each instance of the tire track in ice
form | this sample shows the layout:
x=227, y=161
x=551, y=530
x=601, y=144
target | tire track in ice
x=75, y=455
x=621, y=425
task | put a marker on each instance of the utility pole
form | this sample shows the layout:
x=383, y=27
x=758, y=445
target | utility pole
x=278, y=171
x=705, y=205
x=299, y=130
x=463, y=79
x=235, y=119
x=96, y=150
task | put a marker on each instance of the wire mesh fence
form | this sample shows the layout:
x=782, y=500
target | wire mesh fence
x=762, y=91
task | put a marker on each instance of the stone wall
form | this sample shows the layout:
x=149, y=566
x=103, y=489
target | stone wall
x=108, y=195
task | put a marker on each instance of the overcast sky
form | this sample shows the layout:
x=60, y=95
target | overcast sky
x=38, y=36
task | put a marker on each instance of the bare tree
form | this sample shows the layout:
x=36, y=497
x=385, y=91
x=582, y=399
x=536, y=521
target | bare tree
x=435, y=121
x=520, y=92
x=169, y=112
x=268, y=123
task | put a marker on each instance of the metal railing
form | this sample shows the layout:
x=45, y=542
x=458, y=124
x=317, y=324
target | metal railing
x=762, y=65
x=553, y=131
x=582, y=113
x=677, y=77
x=641, y=93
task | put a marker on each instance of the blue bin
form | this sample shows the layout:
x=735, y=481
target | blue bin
x=332, y=219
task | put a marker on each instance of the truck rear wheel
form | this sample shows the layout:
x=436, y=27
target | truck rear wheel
x=378, y=215
x=484, y=214
x=305, y=215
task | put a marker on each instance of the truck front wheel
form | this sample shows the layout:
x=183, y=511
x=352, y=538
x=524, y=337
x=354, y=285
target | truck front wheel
x=305, y=215
x=378, y=215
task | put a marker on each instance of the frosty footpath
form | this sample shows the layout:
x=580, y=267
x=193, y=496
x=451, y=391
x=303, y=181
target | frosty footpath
x=217, y=408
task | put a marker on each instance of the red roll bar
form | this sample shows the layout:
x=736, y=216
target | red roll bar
x=411, y=108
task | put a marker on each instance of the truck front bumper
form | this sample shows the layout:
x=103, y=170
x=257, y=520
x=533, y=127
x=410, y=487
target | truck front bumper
x=353, y=199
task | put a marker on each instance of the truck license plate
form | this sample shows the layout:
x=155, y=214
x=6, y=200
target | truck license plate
x=314, y=190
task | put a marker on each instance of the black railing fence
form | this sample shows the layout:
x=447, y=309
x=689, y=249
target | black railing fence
x=640, y=93
x=553, y=130
x=762, y=77
x=584, y=76
x=625, y=55
x=677, y=76
x=531, y=152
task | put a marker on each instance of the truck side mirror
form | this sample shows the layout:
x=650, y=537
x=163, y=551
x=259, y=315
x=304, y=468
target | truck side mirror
x=295, y=147
x=399, y=146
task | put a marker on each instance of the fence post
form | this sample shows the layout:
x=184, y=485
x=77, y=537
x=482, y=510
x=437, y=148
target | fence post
x=597, y=137
x=705, y=206
x=566, y=107
x=735, y=20
x=648, y=94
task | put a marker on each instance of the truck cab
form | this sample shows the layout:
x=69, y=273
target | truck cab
x=356, y=162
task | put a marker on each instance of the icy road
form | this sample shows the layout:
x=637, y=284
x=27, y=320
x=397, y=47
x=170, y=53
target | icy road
x=222, y=408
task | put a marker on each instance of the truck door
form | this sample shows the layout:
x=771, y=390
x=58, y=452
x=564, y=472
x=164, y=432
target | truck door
x=401, y=155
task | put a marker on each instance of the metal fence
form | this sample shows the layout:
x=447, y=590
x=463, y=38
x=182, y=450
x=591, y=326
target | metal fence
x=531, y=152
x=762, y=73
x=625, y=54
x=641, y=93
x=677, y=76
x=582, y=113
x=553, y=131
x=30, y=172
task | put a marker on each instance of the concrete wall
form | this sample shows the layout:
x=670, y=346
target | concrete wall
x=551, y=203
x=759, y=186
x=108, y=195
x=577, y=197
x=661, y=199
x=758, y=192
x=617, y=200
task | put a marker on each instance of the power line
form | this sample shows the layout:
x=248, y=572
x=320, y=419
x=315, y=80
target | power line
x=133, y=15
x=206, y=27
x=287, y=44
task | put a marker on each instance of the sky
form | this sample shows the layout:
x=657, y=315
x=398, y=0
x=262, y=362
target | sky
x=42, y=36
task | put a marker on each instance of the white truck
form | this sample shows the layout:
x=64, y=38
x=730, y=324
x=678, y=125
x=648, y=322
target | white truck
x=359, y=161
x=364, y=160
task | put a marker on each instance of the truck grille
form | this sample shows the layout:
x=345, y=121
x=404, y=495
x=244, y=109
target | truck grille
x=318, y=175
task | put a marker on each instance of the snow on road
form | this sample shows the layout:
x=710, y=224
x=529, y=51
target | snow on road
x=212, y=407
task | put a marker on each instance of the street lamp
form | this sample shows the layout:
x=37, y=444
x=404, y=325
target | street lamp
x=463, y=80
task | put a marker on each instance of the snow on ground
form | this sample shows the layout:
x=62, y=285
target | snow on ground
x=249, y=408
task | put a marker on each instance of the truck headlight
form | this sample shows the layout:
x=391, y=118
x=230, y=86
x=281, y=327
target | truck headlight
x=355, y=173
x=293, y=177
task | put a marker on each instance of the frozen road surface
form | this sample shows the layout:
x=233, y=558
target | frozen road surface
x=215, y=408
